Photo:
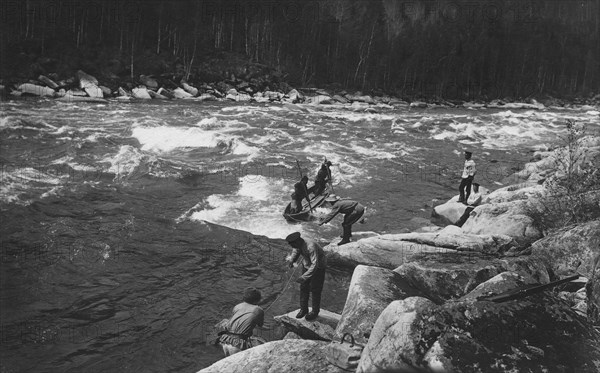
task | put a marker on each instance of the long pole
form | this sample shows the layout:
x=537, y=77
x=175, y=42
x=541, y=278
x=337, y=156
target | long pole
x=305, y=190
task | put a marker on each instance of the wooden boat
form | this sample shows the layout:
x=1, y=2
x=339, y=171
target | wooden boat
x=305, y=215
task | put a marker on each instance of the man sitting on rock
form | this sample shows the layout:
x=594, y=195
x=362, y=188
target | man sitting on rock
x=352, y=211
x=246, y=316
x=313, y=273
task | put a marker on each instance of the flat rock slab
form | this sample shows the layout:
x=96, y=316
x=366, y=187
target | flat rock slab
x=323, y=328
x=387, y=251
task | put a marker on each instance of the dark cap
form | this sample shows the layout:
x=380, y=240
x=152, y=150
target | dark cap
x=293, y=237
x=468, y=152
x=328, y=163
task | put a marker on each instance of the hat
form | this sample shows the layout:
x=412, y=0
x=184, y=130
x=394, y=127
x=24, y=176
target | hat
x=332, y=198
x=468, y=152
x=327, y=163
x=293, y=237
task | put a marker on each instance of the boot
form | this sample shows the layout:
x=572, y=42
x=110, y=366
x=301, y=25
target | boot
x=303, y=304
x=301, y=314
x=346, y=236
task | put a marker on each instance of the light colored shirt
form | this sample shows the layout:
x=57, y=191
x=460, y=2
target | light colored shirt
x=469, y=169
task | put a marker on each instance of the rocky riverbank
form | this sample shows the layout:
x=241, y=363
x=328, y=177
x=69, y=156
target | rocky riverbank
x=419, y=301
x=255, y=84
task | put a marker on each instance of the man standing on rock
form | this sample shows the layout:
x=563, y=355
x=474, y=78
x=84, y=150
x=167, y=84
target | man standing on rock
x=313, y=273
x=467, y=178
x=352, y=211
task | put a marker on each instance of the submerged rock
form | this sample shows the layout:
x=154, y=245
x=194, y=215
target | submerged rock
x=370, y=291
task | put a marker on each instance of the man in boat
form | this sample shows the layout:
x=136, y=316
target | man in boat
x=351, y=210
x=313, y=273
x=323, y=177
x=467, y=178
x=300, y=193
x=246, y=316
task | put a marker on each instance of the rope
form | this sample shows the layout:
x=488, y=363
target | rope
x=283, y=290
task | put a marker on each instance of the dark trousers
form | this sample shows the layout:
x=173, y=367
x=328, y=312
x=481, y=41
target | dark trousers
x=313, y=285
x=465, y=184
x=352, y=218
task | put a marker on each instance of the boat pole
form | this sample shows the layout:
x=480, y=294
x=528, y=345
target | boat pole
x=306, y=190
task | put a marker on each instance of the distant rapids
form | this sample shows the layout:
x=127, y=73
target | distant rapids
x=129, y=229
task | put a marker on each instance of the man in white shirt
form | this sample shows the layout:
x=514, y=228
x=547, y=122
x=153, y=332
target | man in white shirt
x=467, y=178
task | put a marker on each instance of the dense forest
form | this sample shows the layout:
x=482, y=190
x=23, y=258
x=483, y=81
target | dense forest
x=438, y=48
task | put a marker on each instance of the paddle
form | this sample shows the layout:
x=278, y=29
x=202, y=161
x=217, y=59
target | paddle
x=305, y=190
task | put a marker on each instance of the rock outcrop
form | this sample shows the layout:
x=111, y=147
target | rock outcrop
x=506, y=218
x=535, y=334
x=370, y=291
x=570, y=250
x=285, y=356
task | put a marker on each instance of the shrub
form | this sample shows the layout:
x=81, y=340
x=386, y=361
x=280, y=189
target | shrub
x=572, y=192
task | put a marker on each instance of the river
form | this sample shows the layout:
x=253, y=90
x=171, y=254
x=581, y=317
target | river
x=129, y=229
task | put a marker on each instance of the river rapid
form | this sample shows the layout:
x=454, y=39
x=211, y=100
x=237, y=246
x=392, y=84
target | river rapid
x=129, y=229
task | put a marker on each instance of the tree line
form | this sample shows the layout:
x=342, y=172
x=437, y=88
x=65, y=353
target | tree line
x=446, y=48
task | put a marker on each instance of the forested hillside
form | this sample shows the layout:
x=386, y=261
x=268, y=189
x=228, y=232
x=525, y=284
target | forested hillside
x=453, y=49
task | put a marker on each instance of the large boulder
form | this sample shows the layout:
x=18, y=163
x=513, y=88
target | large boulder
x=37, y=90
x=507, y=218
x=503, y=282
x=593, y=294
x=391, y=345
x=319, y=99
x=539, y=333
x=444, y=276
x=180, y=93
x=323, y=328
x=86, y=80
x=148, y=81
x=94, y=91
x=141, y=93
x=570, y=250
x=371, y=290
x=189, y=89
x=387, y=251
x=515, y=192
x=285, y=356
x=448, y=213
x=453, y=237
